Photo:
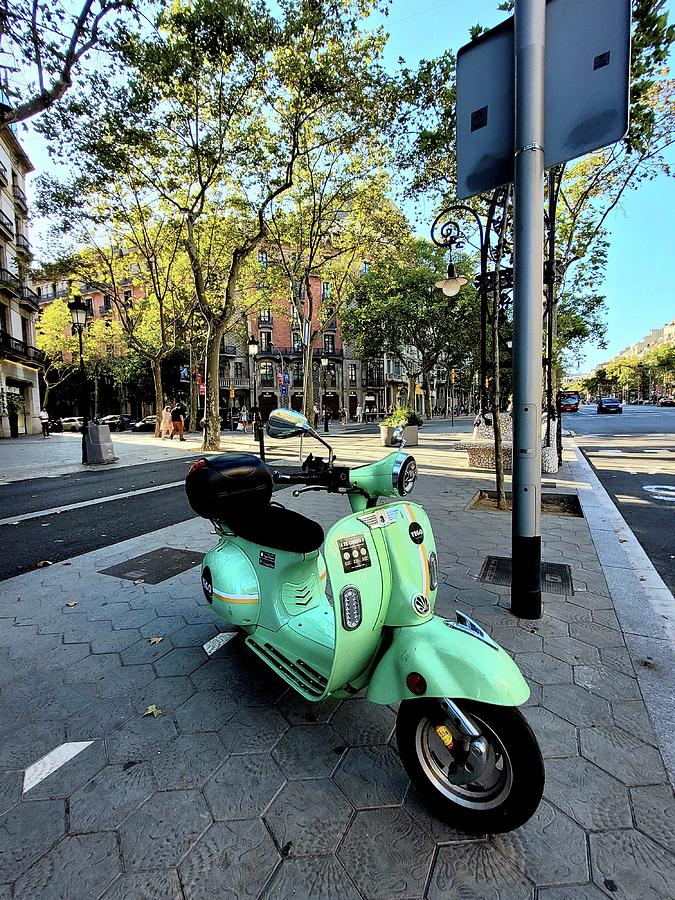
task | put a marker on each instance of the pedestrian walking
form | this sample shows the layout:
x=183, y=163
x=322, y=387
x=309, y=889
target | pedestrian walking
x=243, y=418
x=359, y=413
x=177, y=422
x=44, y=422
x=165, y=426
x=316, y=416
x=343, y=416
x=326, y=419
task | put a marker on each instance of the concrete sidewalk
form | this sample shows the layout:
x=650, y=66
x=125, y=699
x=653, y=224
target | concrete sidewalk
x=241, y=789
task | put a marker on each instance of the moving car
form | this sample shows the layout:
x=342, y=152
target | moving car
x=667, y=401
x=117, y=422
x=146, y=424
x=72, y=423
x=609, y=405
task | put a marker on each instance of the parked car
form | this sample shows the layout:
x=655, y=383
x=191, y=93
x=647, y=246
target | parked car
x=72, y=423
x=609, y=405
x=117, y=422
x=667, y=401
x=147, y=424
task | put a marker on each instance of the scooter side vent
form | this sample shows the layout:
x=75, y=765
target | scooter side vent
x=299, y=674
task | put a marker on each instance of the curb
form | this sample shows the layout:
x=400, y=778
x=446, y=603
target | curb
x=644, y=605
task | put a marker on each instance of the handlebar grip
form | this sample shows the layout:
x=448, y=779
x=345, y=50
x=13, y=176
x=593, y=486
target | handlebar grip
x=292, y=478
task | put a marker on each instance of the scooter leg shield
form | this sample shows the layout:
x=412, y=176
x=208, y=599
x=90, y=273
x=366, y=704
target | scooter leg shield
x=453, y=663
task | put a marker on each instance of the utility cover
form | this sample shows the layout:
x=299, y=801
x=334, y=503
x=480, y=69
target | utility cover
x=587, y=72
x=556, y=578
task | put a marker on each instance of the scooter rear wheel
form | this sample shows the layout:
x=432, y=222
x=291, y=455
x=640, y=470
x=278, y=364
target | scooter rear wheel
x=509, y=788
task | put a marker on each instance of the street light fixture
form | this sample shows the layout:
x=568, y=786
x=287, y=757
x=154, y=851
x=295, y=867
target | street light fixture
x=452, y=284
x=253, y=348
x=78, y=313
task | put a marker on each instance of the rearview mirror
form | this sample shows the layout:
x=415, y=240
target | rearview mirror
x=286, y=423
x=397, y=439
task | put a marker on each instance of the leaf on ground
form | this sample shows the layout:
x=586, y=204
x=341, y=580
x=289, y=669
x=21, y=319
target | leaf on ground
x=153, y=710
x=45, y=524
x=43, y=564
x=155, y=640
x=71, y=603
x=59, y=540
x=139, y=581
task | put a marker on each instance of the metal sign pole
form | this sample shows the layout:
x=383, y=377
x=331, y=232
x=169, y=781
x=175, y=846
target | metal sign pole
x=530, y=19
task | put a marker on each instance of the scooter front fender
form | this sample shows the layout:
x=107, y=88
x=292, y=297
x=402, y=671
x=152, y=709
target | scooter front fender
x=454, y=662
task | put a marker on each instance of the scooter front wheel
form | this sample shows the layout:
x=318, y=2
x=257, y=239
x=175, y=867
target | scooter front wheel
x=491, y=786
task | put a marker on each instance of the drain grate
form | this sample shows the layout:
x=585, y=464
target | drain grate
x=556, y=578
x=156, y=566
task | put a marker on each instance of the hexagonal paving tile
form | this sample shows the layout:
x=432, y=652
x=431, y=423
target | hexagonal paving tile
x=617, y=658
x=654, y=808
x=253, y=729
x=167, y=692
x=182, y=661
x=205, y=711
x=11, y=784
x=99, y=719
x=140, y=738
x=572, y=651
x=567, y=612
x=112, y=795
x=79, y=866
x=155, y=885
x=188, y=760
x=587, y=794
x=361, y=722
x=544, y=669
x=309, y=751
x=572, y=892
x=596, y=635
x=632, y=716
x=19, y=747
x=386, y=854
x=626, y=864
x=243, y=786
x=441, y=832
x=607, y=683
x=549, y=849
x=317, y=877
x=127, y=682
x=576, y=704
x=27, y=831
x=516, y=640
x=194, y=635
x=299, y=711
x=93, y=668
x=233, y=859
x=164, y=624
x=115, y=641
x=476, y=871
x=162, y=830
x=556, y=737
x=142, y=651
x=372, y=776
x=72, y=775
x=622, y=755
x=308, y=817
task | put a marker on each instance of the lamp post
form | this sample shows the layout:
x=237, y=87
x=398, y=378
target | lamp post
x=253, y=348
x=446, y=232
x=78, y=312
x=324, y=366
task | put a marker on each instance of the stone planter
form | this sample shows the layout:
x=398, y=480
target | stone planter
x=409, y=435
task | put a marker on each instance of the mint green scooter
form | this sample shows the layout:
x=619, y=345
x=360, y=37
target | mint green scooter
x=354, y=612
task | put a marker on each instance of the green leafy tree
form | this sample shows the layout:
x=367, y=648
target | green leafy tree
x=53, y=337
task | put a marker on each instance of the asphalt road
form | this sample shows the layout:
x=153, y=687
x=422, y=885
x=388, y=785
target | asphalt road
x=633, y=455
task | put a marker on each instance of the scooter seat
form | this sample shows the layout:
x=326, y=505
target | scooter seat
x=278, y=528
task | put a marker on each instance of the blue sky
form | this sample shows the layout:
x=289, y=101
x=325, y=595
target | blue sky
x=639, y=287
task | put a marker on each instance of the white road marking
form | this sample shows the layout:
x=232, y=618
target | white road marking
x=38, y=514
x=38, y=771
x=609, y=452
x=218, y=641
x=661, y=491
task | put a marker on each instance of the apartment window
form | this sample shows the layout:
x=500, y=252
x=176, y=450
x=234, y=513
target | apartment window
x=295, y=318
x=329, y=343
x=89, y=303
x=238, y=370
x=25, y=330
x=396, y=366
x=325, y=290
x=297, y=341
x=352, y=374
x=38, y=291
x=128, y=299
x=262, y=259
x=296, y=373
x=265, y=340
x=266, y=370
x=107, y=303
x=3, y=317
x=331, y=376
x=297, y=288
x=265, y=316
x=365, y=267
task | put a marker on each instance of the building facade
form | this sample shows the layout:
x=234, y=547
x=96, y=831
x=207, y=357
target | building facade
x=20, y=361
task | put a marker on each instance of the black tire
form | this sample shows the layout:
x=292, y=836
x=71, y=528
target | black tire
x=518, y=784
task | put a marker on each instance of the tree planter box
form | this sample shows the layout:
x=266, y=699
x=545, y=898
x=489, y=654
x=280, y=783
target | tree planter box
x=409, y=435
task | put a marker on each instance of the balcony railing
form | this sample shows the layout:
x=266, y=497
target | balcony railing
x=229, y=350
x=20, y=349
x=334, y=353
x=23, y=245
x=53, y=295
x=20, y=198
x=227, y=382
x=6, y=223
x=29, y=296
x=10, y=281
x=273, y=352
x=4, y=178
x=372, y=379
x=265, y=320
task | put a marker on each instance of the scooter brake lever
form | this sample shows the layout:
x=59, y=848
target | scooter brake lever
x=297, y=493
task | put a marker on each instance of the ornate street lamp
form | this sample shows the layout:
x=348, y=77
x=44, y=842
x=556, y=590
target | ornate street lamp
x=78, y=313
x=253, y=348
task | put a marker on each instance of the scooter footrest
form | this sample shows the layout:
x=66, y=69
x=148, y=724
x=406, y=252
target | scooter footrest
x=299, y=674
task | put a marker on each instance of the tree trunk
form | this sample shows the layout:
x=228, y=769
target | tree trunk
x=214, y=338
x=46, y=396
x=411, y=391
x=309, y=386
x=194, y=399
x=156, y=366
x=95, y=396
x=497, y=425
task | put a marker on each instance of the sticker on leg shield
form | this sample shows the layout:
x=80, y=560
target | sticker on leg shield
x=416, y=533
x=267, y=559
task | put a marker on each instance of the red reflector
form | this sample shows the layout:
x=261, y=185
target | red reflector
x=197, y=465
x=416, y=683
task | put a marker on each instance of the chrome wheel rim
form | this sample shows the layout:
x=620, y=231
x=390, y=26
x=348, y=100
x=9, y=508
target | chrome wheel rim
x=489, y=790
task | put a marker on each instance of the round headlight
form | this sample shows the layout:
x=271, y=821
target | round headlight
x=405, y=474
